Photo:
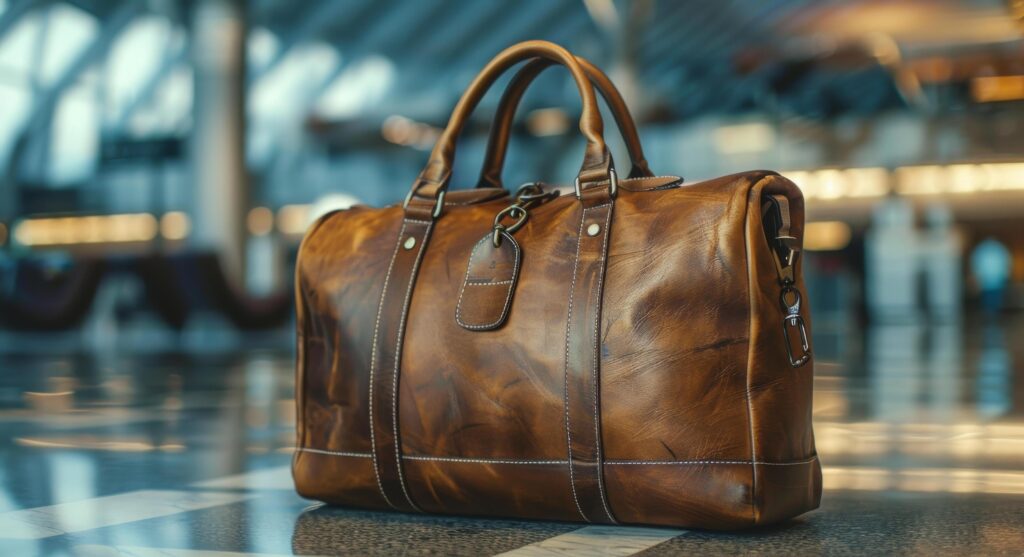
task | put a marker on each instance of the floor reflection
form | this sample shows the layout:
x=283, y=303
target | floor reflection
x=922, y=417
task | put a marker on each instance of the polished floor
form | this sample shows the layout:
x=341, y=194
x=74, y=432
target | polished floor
x=121, y=450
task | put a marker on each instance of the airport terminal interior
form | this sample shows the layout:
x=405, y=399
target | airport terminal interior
x=160, y=162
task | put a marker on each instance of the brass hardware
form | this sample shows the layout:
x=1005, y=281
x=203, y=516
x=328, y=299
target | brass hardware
x=438, y=203
x=613, y=180
x=410, y=242
x=526, y=196
x=594, y=229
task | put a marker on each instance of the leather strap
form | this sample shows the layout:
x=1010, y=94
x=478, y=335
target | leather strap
x=497, y=143
x=583, y=358
x=433, y=180
x=386, y=356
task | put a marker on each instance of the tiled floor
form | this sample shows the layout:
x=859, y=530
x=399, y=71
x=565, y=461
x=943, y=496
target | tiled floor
x=118, y=452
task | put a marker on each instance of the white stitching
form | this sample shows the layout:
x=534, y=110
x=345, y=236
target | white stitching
x=511, y=283
x=471, y=460
x=334, y=453
x=398, y=362
x=698, y=462
x=565, y=391
x=597, y=359
x=480, y=461
x=414, y=221
x=373, y=361
x=495, y=283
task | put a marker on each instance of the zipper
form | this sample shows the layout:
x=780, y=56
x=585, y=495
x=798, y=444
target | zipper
x=785, y=251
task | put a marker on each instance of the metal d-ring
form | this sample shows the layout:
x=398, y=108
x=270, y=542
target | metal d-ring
x=513, y=212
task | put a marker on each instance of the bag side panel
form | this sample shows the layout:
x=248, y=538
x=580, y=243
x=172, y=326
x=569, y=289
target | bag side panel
x=675, y=347
x=788, y=478
x=339, y=278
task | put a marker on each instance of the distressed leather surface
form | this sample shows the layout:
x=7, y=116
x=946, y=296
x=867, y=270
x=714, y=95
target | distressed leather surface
x=701, y=420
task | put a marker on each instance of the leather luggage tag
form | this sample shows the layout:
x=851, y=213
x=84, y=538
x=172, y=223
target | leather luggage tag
x=491, y=275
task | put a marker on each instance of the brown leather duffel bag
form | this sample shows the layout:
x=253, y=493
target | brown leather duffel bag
x=633, y=350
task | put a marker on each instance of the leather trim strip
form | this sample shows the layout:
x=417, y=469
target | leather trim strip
x=386, y=358
x=582, y=364
x=513, y=461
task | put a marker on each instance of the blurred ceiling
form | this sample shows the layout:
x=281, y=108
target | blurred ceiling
x=674, y=60
x=684, y=58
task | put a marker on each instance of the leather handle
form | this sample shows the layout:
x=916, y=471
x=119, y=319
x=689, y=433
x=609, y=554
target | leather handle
x=497, y=143
x=597, y=165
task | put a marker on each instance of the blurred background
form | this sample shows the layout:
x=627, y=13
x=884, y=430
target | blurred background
x=160, y=160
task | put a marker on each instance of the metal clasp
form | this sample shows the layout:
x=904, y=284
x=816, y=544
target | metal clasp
x=526, y=196
x=438, y=203
x=790, y=301
x=613, y=184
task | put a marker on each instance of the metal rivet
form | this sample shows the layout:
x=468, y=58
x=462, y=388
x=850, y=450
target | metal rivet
x=410, y=242
x=593, y=229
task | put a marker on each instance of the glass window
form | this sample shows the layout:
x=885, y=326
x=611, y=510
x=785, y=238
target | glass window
x=358, y=88
x=68, y=30
x=75, y=140
x=18, y=49
x=135, y=57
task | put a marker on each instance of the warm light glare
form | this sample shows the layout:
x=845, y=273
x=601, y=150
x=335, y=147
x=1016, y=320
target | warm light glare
x=932, y=179
x=174, y=225
x=403, y=131
x=548, y=121
x=959, y=178
x=997, y=88
x=260, y=221
x=826, y=236
x=833, y=183
x=744, y=138
x=125, y=445
x=955, y=480
x=137, y=227
x=292, y=219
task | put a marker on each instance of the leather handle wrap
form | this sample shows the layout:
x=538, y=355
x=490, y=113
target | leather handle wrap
x=497, y=143
x=433, y=180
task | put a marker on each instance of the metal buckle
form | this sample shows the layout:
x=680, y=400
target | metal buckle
x=793, y=320
x=613, y=179
x=438, y=203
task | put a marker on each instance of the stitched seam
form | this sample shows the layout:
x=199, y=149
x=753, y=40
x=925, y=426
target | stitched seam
x=677, y=181
x=427, y=222
x=469, y=266
x=597, y=359
x=398, y=363
x=334, y=453
x=638, y=179
x=565, y=391
x=508, y=298
x=698, y=462
x=495, y=283
x=750, y=348
x=472, y=460
x=480, y=460
x=373, y=362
